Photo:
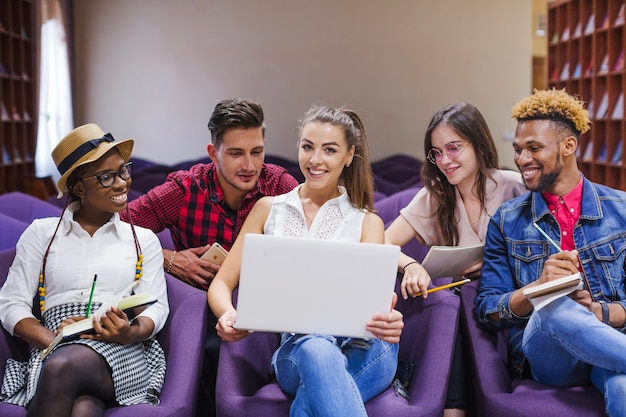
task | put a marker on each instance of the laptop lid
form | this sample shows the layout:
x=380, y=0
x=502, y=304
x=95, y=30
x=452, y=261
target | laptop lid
x=314, y=286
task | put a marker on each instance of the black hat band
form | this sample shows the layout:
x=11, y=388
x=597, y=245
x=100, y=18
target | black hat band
x=81, y=151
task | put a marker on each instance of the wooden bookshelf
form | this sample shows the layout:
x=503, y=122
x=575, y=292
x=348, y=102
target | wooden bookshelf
x=586, y=41
x=17, y=94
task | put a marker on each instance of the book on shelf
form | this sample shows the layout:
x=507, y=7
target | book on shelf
x=565, y=35
x=577, y=71
x=578, y=31
x=132, y=305
x=590, y=24
x=5, y=114
x=605, y=21
x=543, y=294
x=6, y=158
x=617, y=154
x=619, y=20
x=602, y=154
x=555, y=73
x=604, y=65
x=15, y=114
x=565, y=71
x=589, y=69
x=603, y=107
x=588, y=155
x=590, y=108
x=619, y=62
x=448, y=261
x=555, y=38
x=618, y=109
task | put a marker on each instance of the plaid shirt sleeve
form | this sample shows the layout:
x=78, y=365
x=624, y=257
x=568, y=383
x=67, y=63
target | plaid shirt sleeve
x=159, y=208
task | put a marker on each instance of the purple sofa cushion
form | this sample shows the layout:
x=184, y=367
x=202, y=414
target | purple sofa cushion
x=246, y=384
x=496, y=394
x=25, y=207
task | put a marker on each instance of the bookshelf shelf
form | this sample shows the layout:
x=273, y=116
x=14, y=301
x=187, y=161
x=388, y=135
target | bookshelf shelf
x=17, y=94
x=586, y=56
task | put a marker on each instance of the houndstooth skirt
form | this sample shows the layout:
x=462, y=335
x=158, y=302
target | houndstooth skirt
x=138, y=370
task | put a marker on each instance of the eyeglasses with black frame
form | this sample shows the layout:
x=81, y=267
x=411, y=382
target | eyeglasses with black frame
x=453, y=150
x=107, y=178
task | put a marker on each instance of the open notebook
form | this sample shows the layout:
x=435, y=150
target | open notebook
x=314, y=286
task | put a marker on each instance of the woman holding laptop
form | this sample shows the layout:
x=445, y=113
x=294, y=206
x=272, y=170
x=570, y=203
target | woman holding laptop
x=334, y=202
x=463, y=187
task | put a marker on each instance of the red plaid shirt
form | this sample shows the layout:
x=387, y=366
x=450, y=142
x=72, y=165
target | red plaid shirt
x=191, y=204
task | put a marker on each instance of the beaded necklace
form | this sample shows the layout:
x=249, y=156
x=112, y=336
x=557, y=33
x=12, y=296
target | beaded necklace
x=42, y=289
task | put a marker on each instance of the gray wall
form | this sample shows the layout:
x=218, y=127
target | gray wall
x=154, y=69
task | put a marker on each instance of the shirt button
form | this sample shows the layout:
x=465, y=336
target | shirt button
x=553, y=211
x=564, y=233
x=571, y=210
x=561, y=201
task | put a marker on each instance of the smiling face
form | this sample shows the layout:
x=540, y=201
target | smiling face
x=92, y=194
x=323, y=153
x=537, y=148
x=239, y=159
x=461, y=169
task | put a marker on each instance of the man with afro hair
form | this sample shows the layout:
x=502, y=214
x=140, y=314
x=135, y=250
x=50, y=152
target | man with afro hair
x=577, y=339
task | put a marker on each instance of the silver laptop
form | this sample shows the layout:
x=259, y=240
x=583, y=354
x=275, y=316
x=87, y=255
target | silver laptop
x=314, y=286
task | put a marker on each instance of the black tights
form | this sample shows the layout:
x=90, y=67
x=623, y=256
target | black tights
x=74, y=381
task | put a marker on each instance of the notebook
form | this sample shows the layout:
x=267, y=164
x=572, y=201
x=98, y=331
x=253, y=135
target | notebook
x=301, y=285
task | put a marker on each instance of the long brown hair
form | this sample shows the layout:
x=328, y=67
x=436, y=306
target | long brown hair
x=468, y=123
x=357, y=178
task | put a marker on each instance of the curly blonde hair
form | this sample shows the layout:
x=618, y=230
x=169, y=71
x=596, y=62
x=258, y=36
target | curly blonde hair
x=555, y=105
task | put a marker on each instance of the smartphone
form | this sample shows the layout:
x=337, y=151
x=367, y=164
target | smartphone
x=215, y=254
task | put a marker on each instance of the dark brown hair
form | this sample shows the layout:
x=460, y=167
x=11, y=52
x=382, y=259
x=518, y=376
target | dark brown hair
x=234, y=113
x=468, y=123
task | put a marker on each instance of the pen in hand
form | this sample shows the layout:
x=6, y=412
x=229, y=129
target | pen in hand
x=93, y=287
x=547, y=237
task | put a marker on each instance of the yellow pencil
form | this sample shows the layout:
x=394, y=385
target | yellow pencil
x=443, y=287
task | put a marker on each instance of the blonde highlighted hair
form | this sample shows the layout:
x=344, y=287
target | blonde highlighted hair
x=555, y=105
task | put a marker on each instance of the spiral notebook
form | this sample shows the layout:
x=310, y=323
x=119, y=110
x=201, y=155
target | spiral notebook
x=314, y=286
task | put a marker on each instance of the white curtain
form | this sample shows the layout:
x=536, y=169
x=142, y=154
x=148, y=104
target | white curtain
x=55, y=95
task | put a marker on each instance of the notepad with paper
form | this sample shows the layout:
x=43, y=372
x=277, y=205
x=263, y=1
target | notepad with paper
x=449, y=261
x=314, y=286
x=543, y=294
x=132, y=305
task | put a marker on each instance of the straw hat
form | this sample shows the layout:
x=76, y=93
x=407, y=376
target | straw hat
x=85, y=144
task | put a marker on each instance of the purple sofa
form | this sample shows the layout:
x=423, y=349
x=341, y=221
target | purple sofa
x=25, y=207
x=246, y=385
x=497, y=395
x=10, y=231
x=388, y=209
x=182, y=338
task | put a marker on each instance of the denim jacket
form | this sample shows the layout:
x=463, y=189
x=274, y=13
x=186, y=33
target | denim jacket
x=515, y=253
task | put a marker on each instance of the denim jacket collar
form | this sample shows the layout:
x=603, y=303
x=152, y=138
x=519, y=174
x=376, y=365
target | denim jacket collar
x=590, y=208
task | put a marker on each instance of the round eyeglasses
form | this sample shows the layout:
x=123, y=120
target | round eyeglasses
x=107, y=178
x=452, y=151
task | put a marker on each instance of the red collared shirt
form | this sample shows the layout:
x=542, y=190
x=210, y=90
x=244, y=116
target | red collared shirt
x=191, y=204
x=566, y=211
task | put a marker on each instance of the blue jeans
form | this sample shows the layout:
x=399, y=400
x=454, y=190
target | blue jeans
x=332, y=376
x=567, y=345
